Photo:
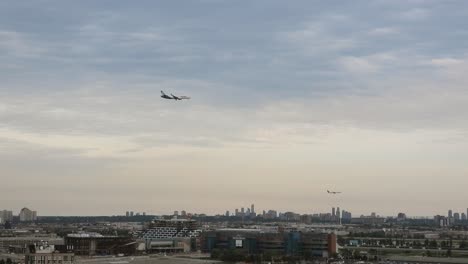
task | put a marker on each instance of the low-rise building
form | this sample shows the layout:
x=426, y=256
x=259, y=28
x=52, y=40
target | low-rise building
x=90, y=244
x=47, y=254
x=255, y=241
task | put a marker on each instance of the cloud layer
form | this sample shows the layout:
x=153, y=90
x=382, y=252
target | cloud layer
x=287, y=101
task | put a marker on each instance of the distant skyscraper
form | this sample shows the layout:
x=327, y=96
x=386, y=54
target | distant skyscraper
x=237, y=212
x=242, y=210
x=450, y=215
x=6, y=216
x=127, y=214
x=176, y=213
x=456, y=217
x=333, y=211
x=27, y=215
x=463, y=217
x=144, y=213
x=227, y=213
x=252, y=209
x=338, y=213
x=183, y=213
x=131, y=213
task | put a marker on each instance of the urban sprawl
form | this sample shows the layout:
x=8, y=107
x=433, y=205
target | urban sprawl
x=243, y=235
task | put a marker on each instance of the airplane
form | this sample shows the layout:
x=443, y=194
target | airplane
x=179, y=97
x=173, y=97
x=165, y=96
x=333, y=192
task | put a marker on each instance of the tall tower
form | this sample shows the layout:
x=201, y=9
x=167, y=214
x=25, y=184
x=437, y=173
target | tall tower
x=333, y=211
x=450, y=215
x=252, y=208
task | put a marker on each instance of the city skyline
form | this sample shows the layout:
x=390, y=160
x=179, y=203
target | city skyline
x=287, y=101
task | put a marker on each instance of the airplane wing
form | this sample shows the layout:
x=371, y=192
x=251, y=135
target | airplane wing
x=175, y=97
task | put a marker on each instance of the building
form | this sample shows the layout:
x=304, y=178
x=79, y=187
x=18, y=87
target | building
x=368, y=220
x=27, y=215
x=456, y=217
x=175, y=235
x=47, y=254
x=261, y=242
x=441, y=220
x=17, y=244
x=6, y=216
x=90, y=244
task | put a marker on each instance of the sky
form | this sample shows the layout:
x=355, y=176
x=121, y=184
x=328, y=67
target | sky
x=288, y=99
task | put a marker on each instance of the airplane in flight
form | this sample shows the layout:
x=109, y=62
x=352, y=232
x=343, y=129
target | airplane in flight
x=333, y=192
x=173, y=97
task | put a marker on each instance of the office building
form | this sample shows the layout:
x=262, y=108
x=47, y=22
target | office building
x=27, y=215
x=261, y=242
x=6, y=216
x=90, y=244
x=456, y=217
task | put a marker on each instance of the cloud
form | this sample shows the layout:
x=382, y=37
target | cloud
x=384, y=31
x=358, y=65
x=311, y=93
x=18, y=44
x=415, y=14
x=443, y=62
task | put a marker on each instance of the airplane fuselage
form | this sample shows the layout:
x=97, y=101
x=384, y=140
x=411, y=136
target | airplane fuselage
x=166, y=97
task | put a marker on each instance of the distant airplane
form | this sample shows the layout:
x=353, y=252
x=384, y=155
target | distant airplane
x=333, y=192
x=173, y=97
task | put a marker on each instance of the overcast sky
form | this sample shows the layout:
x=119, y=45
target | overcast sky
x=289, y=99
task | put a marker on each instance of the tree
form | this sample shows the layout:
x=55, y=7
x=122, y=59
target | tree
x=8, y=261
